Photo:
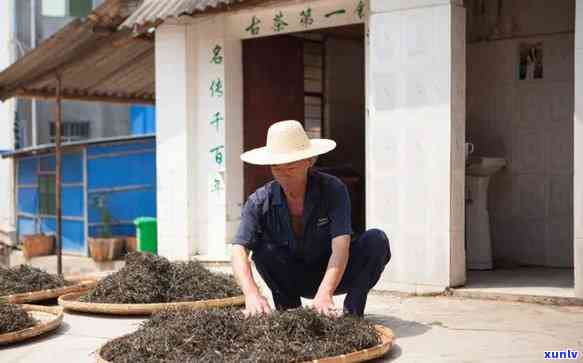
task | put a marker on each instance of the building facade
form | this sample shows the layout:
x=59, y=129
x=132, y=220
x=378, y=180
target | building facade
x=403, y=86
x=414, y=120
x=35, y=21
x=28, y=124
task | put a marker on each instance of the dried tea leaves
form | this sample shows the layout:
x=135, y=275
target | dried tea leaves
x=24, y=278
x=227, y=336
x=14, y=318
x=191, y=281
x=147, y=279
x=142, y=280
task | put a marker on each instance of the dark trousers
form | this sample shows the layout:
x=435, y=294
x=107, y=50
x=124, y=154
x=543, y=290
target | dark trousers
x=290, y=278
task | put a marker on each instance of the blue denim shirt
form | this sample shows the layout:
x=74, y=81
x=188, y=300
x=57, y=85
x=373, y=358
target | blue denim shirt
x=266, y=219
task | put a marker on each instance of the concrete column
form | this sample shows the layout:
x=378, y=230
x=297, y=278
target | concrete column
x=175, y=141
x=7, y=220
x=578, y=151
x=415, y=135
x=219, y=125
x=199, y=136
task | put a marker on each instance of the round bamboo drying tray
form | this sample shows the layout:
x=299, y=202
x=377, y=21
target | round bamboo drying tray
x=41, y=295
x=49, y=318
x=364, y=355
x=71, y=302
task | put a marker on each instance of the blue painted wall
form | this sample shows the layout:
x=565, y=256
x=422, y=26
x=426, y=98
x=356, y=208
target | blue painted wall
x=129, y=192
x=123, y=174
x=29, y=219
x=143, y=120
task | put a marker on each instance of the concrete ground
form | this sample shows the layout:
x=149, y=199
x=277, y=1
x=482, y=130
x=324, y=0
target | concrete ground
x=428, y=329
x=72, y=265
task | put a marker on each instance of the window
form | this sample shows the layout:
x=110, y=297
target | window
x=313, y=87
x=71, y=131
x=63, y=8
x=47, y=203
x=313, y=116
x=80, y=8
x=56, y=8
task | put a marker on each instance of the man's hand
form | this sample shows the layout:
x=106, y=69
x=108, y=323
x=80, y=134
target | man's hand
x=255, y=304
x=324, y=304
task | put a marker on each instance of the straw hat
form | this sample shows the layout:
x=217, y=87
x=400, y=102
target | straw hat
x=287, y=142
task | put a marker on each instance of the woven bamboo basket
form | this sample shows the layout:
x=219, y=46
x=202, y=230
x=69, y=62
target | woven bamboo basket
x=71, y=302
x=41, y=295
x=364, y=355
x=49, y=318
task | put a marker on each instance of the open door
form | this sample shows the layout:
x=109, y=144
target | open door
x=273, y=77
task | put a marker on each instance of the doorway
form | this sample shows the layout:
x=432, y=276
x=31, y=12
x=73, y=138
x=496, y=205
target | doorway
x=318, y=79
x=520, y=105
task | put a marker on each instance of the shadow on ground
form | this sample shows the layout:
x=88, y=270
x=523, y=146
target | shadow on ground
x=401, y=328
x=394, y=353
x=61, y=330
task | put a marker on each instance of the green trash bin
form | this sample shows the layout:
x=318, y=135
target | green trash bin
x=147, y=234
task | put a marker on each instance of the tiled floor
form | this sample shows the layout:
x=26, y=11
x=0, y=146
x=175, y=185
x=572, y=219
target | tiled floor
x=537, y=281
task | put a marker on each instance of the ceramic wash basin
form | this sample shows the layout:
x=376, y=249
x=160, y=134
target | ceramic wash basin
x=484, y=166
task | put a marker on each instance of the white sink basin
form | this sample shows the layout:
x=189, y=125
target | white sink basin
x=482, y=166
x=479, y=245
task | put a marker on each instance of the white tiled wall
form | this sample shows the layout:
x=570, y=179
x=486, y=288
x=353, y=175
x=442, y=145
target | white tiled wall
x=530, y=124
x=578, y=147
x=519, y=17
x=415, y=74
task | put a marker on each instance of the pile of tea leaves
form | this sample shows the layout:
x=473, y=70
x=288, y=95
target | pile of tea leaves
x=147, y=279
x=25, y=278
x=14, y=318
x=225, y=335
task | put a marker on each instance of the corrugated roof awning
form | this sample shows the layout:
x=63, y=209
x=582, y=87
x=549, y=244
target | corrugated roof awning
x=96, y=61
x=153, y=12
x=50, y=148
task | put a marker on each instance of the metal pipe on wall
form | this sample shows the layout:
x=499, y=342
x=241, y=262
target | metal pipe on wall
x=33, y=102
x=58, y=177
x=12, y=56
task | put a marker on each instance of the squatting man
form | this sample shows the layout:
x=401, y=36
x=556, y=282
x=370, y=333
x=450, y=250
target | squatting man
x=298, y=230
